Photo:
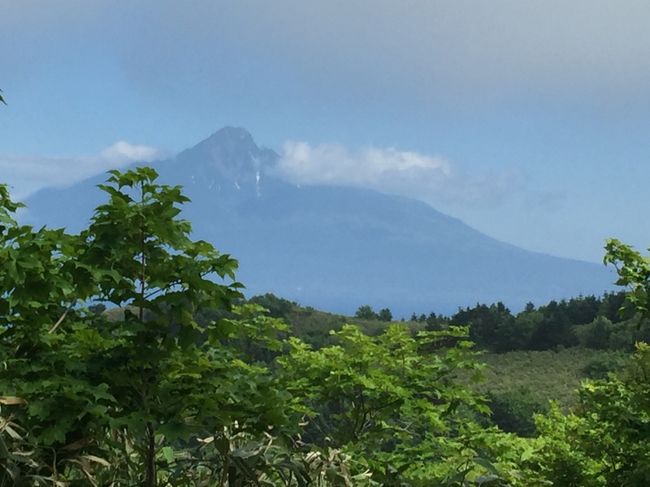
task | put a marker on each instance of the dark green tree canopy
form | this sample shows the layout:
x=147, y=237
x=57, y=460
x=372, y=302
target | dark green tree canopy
x=365, y=312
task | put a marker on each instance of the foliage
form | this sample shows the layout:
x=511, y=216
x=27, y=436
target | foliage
x=513, y=410
x=14, y=449
x=40, y=285
x=385, y=315
x=276, y=307
x=128, y=356
x=567, y=323
x=555, y=330
x=604, y=365
x=634, y=273
x=485, y=322
x=607, y=440
x=153, y=377
x=314, y=326
x=563, y=323
x=596, y=334
x=152, y=391
x=365, y=312
x=393, y=402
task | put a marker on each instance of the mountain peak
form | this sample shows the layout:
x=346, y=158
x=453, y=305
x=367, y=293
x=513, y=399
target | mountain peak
x=231, y=136
x=227, y=142
x=229, y=156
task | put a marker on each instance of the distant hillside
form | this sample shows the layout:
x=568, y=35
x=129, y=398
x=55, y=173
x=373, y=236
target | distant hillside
x=336, y=248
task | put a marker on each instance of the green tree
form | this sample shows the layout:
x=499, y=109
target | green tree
x=385, y=315
x=164, y=367
x=611, y=306
x=134, y=385
x=517, y=333
x=583, y=310
x=513, y=410
x=47, y=342
x=555, y=328
x=434, y=322
x=277, y=307
x=395, y=404
x=633, y=273
x=365, y=312
x=485, y=323
x=607, y=440
x=596, y=334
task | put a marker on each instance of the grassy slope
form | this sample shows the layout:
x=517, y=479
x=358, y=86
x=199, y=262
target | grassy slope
x=546, y=374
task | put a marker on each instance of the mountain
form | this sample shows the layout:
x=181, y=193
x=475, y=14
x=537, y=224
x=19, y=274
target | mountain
x=336, y=248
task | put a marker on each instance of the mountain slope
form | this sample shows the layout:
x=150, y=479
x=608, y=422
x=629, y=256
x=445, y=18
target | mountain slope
x=333, y=247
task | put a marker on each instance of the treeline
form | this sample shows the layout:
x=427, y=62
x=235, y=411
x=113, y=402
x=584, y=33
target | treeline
x=599, y=323
x=593, y=322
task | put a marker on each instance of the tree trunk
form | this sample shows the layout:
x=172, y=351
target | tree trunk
x=150, y=480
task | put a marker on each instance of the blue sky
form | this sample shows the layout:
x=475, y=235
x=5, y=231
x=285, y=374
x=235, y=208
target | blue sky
x=528, y=120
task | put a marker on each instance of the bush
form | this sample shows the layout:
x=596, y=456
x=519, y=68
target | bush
x=601, y=366
x=514, y=411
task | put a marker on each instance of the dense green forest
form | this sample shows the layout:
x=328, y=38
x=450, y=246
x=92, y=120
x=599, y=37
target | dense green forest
x=129, y=356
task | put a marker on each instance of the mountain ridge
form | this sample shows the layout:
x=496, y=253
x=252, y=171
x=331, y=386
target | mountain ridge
x=336, y=247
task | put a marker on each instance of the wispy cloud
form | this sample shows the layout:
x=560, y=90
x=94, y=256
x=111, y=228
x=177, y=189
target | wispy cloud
x=27, y=174
x=430, y=178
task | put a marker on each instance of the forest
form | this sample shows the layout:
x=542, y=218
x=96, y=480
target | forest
x=129, y=356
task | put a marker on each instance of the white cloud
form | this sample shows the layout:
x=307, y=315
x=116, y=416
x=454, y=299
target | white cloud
x=27, y=174
x=429, y=178
x=124, y=152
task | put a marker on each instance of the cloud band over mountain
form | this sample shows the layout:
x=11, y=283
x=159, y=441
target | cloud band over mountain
x=429, y=178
